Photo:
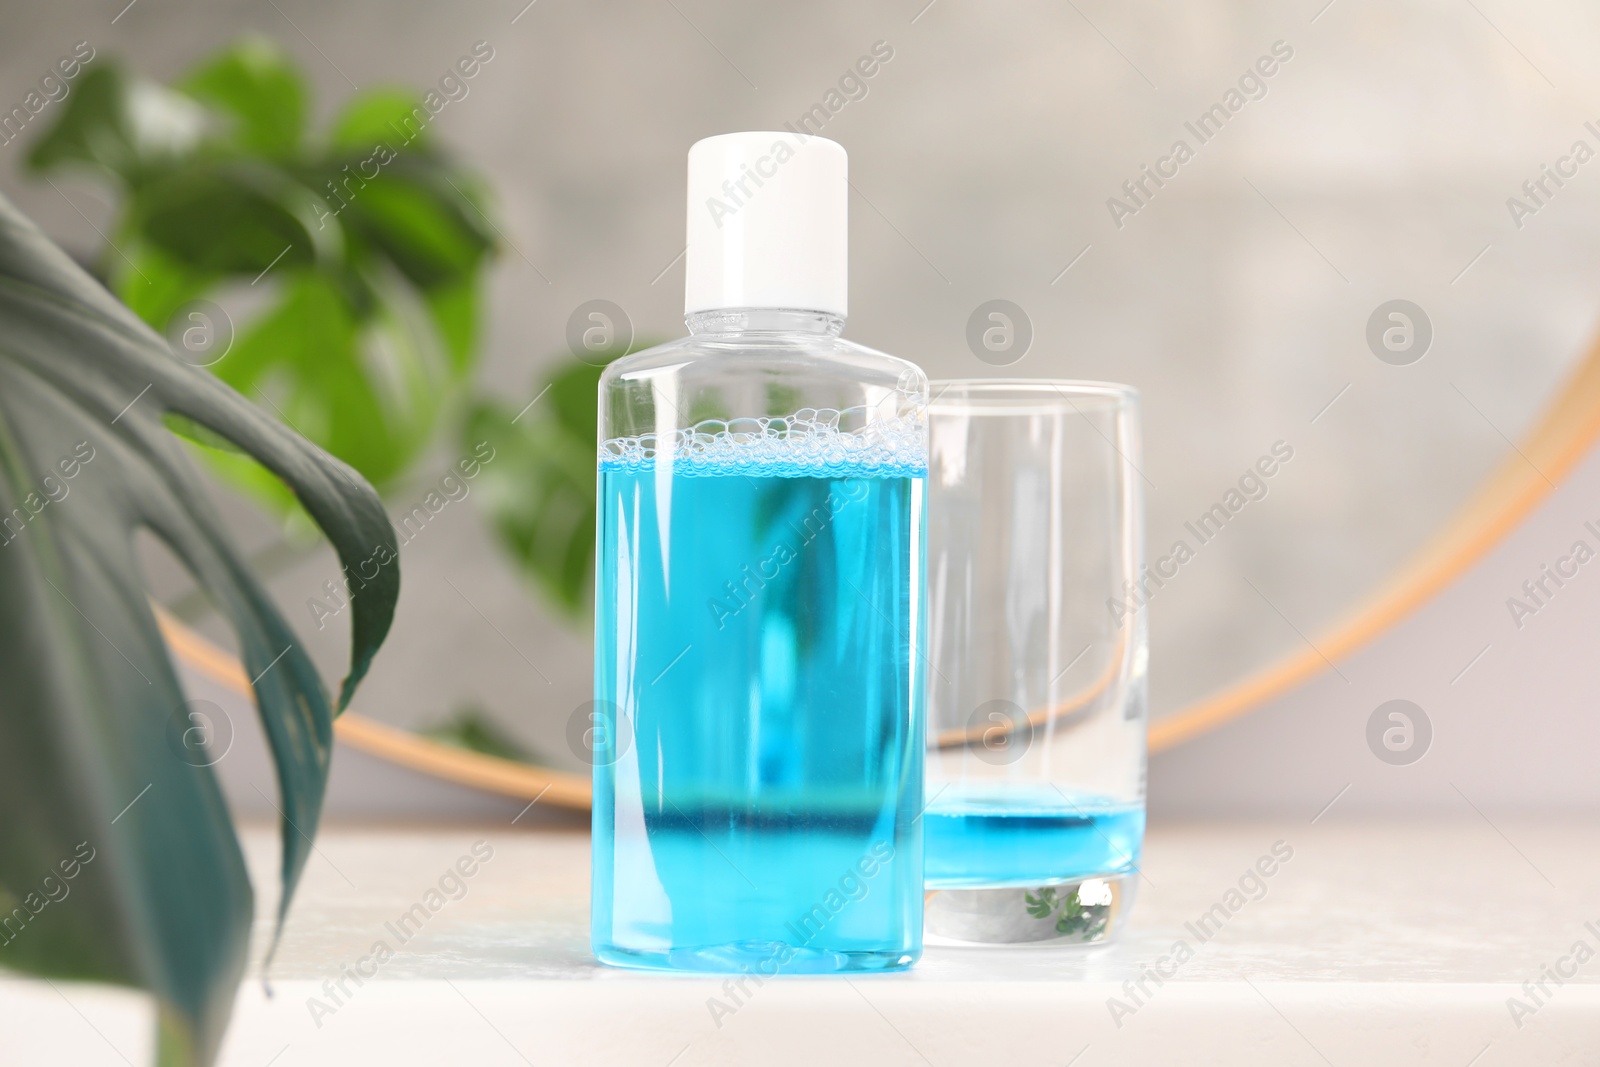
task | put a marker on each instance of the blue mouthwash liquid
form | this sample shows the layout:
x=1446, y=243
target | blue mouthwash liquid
x=758, y=634
x=978, y=837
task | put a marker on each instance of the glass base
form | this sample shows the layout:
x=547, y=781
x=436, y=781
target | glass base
x=764, y=958
x=1090, y=912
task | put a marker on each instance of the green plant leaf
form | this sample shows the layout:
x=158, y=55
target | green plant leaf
x=93, y=765
x=94, y=127
x=260, y=90
x=392, y=117
x=539, y=496
x=412, y=216
x=539, y=493
x=307, y=357
x=474, y=729
x=226, y=219
x=455, y=312
x=574, y=399
x=154, y=285
x=120, y=126
x=363, y=271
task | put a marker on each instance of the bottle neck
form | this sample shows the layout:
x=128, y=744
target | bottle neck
x=763, y=320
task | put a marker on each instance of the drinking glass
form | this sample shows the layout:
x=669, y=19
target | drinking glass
x=1036, y=661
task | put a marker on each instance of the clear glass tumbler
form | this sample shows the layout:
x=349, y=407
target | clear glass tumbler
x=1037, y=661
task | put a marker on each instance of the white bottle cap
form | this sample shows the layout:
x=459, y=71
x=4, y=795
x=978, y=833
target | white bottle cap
x=768, y=223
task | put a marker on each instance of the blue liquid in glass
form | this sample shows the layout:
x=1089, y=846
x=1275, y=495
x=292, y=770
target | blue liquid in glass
x=992, y=839
x=758, y=630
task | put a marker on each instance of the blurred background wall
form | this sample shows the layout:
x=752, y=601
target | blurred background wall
x=1375, y=163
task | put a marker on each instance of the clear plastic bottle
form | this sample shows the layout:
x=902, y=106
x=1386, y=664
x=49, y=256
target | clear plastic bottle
x=759, y=618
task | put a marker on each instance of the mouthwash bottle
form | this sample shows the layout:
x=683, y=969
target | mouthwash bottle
x=759, y=620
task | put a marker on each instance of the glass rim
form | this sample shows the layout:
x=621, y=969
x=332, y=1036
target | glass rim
x=953, y=391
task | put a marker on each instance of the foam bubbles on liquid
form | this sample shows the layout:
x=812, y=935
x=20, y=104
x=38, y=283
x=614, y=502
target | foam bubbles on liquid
x=807, y=444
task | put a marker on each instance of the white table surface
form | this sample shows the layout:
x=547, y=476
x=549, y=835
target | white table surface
x=1392, y=942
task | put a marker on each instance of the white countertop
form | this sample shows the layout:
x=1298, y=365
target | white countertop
x=1384, y=942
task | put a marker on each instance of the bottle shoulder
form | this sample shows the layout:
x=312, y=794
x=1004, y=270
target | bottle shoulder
x=699, y=358
x=810, y=379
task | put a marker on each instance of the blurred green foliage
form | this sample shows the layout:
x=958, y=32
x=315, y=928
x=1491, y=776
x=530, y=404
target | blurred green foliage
x=359, y=254
x=540, y=492
x=473, y=728
x=360, y=251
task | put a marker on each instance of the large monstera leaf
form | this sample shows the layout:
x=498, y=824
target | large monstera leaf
x=118, y=862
